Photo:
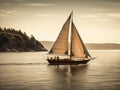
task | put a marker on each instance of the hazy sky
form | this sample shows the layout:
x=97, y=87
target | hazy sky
x=96, y=20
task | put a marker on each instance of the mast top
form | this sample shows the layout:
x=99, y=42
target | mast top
x=71, y=16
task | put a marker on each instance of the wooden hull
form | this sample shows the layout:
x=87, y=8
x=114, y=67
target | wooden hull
x=66, y=62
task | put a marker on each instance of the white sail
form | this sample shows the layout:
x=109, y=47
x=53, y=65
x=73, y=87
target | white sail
x=61, y=44
x=78, y=48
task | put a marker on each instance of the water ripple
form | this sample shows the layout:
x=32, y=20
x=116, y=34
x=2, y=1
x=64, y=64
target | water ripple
x=23, y=63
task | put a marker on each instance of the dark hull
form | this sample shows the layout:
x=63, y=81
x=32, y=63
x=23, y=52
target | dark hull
x=66, y=62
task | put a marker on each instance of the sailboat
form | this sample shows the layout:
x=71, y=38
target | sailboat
x=69, y=43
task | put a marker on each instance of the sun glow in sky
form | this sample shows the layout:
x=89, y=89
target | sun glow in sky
x=98, y=21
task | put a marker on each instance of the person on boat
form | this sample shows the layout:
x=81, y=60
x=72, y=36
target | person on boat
x=57, y=57
x=51, y=58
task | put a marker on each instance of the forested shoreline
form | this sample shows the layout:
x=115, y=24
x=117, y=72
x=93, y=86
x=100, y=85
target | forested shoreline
x=17, y=41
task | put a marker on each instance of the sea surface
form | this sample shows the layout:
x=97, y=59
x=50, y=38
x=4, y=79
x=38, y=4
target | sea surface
x=31, y=71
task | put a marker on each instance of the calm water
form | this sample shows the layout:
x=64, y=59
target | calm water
x=30, y=71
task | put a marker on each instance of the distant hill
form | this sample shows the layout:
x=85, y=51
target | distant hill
x=90, y=46
x=13, y=40
x=103, y=46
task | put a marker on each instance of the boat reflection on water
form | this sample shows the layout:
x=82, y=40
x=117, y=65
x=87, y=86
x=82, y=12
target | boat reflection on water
x=72, y=69
x=66, y=76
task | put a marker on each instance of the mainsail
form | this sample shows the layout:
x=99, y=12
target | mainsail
x=61, y=44
x=77, y=47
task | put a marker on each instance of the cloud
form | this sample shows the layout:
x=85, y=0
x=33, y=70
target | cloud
x=89, y=16
x=117, y=15
x=42, y=15
x=4, y=12
x=100, y=9
x=102, y=16
x=102, y=19
x=11, y=11
x=111, y=3
x=38, y=4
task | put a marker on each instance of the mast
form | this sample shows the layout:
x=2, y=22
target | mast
x=71, y=36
